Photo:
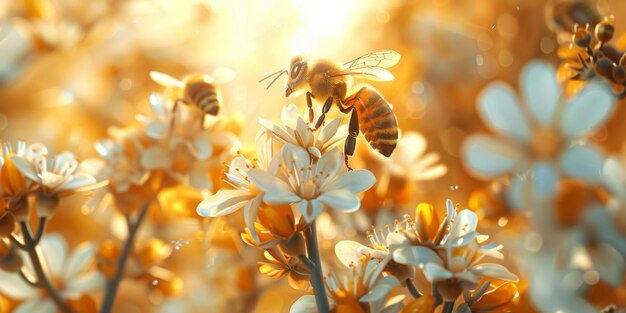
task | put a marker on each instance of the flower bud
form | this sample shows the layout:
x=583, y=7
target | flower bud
x=46, y=204
x=622, y=60
x=581, y=37
x=604, y=67
x=604, y=31
x=10, y=260
x=619, y=74
x=294, y=245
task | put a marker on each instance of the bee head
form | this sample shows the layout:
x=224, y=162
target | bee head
x=297, y=75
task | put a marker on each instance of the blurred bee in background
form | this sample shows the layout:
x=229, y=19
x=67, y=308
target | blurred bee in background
x=196, y=90
x=332, y=83
x=563, y=16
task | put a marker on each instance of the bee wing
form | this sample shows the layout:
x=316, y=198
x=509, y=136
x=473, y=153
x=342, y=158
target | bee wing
x=380, y=59
x=165, y=80
x=223, y=75
x=371, y=66
x=371, y=73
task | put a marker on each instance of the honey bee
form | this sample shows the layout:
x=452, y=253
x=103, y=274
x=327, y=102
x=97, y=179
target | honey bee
x=196, y=90
x=328, y=81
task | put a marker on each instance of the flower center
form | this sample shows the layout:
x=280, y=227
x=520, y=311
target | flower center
x=545, y=142
x=309, y=190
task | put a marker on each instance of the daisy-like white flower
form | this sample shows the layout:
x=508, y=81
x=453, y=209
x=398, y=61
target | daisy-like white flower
x=546, y=135
x=188, y=151
x=427, y=229
x=296, y=131
x=454, y=264
x=364, y=289
x=74, y=275
x=245, y=192
x=56, y=176
x=311, y=186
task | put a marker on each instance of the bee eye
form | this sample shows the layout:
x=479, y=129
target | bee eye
x=295, y=70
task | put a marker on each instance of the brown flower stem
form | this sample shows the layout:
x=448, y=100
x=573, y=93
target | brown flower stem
x=113, y=284
x=41, y=270
x=414, y=292
x=317, y=281
x=448, y=306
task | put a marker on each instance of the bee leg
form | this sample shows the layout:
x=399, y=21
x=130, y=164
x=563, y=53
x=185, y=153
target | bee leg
x=325, y=109
x=202, y=121
x=353, y=132
x=309, y=104
x=174, y=109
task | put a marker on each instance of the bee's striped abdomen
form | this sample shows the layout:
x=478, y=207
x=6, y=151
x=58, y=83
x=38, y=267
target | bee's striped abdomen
x=204, y=96
x=376, y=119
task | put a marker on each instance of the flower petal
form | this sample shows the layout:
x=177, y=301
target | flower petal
x=289, y=115
x=224, y=202
x=306, y=304
x=54, y=249
x=355, y=181
x=276, y=131
x=493, y=270
x=613, y=177
x=416, y=256
x=14, y=287
x=435, y=272
x=541, y=90
x=330, y=162
x=501, y=111
x=310, y=209
x=276, y=190
x=465, y=222
x=37, y=305
x=80, y=258
x=250, y=213
x=347, y=252
x=489, y=157
x=327, y=132
x=87, y=283
x=588, y=110
x=201, y=148
x=583, y=162
x=341, y=199
x=26, y=167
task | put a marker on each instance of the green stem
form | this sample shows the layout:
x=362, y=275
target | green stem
x=317, y=281
x=414, y=292
x=113, y=284
x=448, y=307
x=436, y=294
x=41, y=270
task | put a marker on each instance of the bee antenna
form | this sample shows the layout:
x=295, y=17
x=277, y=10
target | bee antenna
x=276, y=75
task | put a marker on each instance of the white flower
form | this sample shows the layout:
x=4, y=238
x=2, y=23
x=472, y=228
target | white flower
x=56, y=176
x=245, y=193
x=548, y=134
x=456, y=261
x=364, y=289
x=120, y=166
x=296, y=131
x=190, y=150
x=410, y=160
x=312, y=185
x=73, y=275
